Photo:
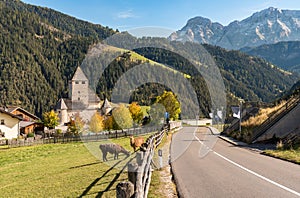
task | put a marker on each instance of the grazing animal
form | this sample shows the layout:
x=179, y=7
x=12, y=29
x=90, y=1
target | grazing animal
x=136, y=142
x=113, y=149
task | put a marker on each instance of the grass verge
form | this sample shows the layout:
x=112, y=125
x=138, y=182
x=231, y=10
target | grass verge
x=161, y=182
x=292, y=155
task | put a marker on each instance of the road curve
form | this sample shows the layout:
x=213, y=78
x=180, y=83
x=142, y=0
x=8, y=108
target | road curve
x=226, y=170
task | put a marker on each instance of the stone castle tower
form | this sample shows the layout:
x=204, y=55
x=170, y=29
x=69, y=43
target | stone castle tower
x=62, y=111
x=79, y=88
x=81, y=99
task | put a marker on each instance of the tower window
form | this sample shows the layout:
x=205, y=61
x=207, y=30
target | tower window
x=83, y=82
x=76, y=82
x=2, y=122
x=78, y=98
x=79, y=92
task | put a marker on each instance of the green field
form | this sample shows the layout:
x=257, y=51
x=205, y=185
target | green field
x=63, y=170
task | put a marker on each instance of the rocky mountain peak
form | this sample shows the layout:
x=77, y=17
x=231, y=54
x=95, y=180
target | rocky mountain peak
x=199, y=21
x=268, y=26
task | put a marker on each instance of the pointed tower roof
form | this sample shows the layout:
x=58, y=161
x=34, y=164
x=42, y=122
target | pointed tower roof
x=106, y=107
x=106, y=104
x=61, y=104
x=79, y=75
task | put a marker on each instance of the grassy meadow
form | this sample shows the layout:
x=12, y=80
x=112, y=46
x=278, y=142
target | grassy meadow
x=63, y=170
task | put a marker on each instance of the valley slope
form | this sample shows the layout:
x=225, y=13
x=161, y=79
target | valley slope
x=283, y=54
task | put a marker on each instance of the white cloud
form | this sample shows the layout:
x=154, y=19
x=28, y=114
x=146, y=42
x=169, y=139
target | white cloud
x=126, y=14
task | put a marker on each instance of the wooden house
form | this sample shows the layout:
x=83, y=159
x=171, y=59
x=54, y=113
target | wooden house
x=30, y=123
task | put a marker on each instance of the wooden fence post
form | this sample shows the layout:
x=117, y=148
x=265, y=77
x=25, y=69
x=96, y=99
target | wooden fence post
x=132, y=172
x=139, y=157
x=125, y=190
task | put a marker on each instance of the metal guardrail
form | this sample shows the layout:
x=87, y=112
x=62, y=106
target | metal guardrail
x=275, y=117
x=235, y=124
x=291, y=138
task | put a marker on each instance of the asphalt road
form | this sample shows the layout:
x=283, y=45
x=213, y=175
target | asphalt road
x=223, y=170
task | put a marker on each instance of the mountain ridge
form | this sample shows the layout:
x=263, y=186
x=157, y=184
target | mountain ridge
x=284, y=54
x=265, y=27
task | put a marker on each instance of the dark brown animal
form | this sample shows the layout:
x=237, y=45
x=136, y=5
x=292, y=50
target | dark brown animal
x=112, y=149
x=136, y=142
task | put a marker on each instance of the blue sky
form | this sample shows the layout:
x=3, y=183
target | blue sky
x=173, y=15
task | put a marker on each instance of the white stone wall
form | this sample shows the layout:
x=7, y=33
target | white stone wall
x=63, y=116
x=10, y=127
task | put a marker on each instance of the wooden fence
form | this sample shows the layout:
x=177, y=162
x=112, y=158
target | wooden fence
x=144, y=171
x=81, y=138
x=139, y=174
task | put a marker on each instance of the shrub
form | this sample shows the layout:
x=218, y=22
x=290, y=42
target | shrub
x=279, y=145
x=30, y=135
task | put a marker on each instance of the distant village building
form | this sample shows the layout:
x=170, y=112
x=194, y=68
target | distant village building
x=16, y=121
x=30, y=123
x=81, y=100
x=9, y=125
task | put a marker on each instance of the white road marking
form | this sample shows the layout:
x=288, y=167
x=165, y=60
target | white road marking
x=248, y=170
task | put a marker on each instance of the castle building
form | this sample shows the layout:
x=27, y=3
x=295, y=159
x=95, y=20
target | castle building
x=81, y=99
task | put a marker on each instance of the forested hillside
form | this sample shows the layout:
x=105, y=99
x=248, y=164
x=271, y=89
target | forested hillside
x=40, y=48
x=286, y=55
x=247, y=77
x=250, y=78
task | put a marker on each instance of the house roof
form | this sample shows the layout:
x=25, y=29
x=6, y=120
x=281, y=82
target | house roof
x=25, y=124
x=79, y=75
x=12, y=109
x=10, y=114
